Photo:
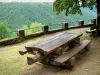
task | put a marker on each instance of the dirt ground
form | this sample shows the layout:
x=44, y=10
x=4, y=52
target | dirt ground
x=12, y=63
x=88, y=65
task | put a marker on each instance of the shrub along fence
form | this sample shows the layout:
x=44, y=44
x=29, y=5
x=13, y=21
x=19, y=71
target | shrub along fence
x=47, y=29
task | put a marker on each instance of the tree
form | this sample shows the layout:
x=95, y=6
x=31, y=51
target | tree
x=4, y=30
x=35, y=27
x=74, y=6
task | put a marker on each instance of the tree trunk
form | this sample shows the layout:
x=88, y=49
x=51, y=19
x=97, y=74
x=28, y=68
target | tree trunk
x=98, y=19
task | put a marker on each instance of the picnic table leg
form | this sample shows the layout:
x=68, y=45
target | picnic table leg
x=72, y=61
x=77, y=40
x=37, y=57
x=74, y=42
x=31, y=60
x=87, y=48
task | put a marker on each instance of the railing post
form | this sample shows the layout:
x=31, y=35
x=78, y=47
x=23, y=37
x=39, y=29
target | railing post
x=45, y=29
x=93, y=25
x=65, y=25
x=93, y=21
x=81, y=23
x=21, y=33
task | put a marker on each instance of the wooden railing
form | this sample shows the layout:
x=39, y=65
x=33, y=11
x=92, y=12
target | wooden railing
x=45, y=30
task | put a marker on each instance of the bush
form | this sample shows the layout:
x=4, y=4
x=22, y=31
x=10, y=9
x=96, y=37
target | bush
x=33, y=28
x=4, y=30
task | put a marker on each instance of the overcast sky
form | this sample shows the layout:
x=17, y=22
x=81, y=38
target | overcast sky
x=26, y=0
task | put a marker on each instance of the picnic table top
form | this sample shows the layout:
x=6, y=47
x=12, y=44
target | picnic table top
x=49, y=44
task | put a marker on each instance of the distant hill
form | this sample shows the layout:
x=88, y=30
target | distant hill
x=18, y=14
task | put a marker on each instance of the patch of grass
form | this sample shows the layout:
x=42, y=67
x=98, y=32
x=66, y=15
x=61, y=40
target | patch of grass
x=11, y=62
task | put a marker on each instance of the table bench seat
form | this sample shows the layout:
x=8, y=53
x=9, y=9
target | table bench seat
x=90, y=31
x=72, y=52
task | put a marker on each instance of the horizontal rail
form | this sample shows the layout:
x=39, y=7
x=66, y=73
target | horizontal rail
x=45, y=30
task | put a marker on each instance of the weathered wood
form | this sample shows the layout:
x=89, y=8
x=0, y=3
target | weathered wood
x=93, y=21
x=72, y=52
x=43, y=59
x=90, y=31
x=31, y=60
x=65, y=25
x=72, y=44
x=23, y=52
x=21, y=33
x=48, y=45
x=87, y=47
x=46, y=51
x=81, y=23
x=65, y=49
x=72, y=61
x=40, y=58
x=45, y=29
x=77, y=40
x=58, y=51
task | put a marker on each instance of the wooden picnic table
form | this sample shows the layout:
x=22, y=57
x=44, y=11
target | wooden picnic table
x=50, y=44
x=56, y=50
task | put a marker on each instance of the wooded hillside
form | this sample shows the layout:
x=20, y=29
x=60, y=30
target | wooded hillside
x=19, y=14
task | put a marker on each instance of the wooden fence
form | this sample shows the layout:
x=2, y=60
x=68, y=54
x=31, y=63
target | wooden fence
x=45, y=30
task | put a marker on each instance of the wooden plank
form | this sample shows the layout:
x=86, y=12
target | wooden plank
x=90, y=31
x=72, y=61
x=77, y=41
x=48, y=40
x=37, y=57
x=23, y=52
x=54, y=42
x=31, y=60
x=68, y=55
x=58, y=42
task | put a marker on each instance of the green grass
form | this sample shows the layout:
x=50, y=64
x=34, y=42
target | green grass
x=11, y=62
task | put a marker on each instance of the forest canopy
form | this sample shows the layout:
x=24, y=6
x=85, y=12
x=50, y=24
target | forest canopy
x=19, y=14
x=30, y=15
x=72, y=6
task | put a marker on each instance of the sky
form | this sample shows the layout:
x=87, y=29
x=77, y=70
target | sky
x=26, y=0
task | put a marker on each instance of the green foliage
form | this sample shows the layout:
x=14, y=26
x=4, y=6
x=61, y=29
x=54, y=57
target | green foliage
x=25, y=27
x=4, y=30
x=72, y=6
x=19, y=14
x=35, y=27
